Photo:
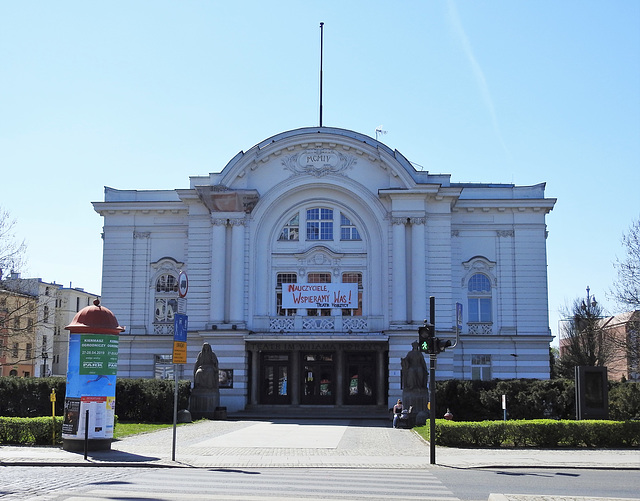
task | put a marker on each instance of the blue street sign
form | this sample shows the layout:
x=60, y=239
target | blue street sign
x=180, y=327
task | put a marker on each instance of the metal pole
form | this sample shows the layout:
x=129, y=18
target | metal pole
x=86, y=434
x=175, y=410
x=321, y=50
x=432, y=387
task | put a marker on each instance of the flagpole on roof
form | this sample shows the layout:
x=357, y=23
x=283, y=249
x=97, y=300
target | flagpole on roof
x=321, y=48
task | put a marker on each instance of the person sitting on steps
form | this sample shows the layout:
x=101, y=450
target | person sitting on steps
x=397, y=412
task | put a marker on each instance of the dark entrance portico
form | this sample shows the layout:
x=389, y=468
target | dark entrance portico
x=327, y=373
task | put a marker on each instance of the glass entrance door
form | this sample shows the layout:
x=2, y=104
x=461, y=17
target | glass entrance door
x=360, y=378
x=318, y=385
x=274, y=386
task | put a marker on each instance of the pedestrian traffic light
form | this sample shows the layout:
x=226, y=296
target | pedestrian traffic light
x=426, y=335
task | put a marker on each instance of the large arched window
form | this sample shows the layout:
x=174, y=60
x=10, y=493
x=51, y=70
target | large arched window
x=479, y=298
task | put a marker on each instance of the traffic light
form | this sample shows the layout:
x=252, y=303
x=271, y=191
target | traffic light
x=426, y=335
x=440, y=345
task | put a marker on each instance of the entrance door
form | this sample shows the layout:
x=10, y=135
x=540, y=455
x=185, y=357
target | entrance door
x=274, y=386
x=318, y=385
x=360, y=378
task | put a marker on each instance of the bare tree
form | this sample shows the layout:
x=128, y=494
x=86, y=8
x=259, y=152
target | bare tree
x=626, y=289
x=12, y=251
x=583, y=341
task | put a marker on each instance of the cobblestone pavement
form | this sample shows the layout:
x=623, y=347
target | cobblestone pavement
x=309, y=443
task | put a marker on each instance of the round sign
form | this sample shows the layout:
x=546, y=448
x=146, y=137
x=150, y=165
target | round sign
x=183, y=284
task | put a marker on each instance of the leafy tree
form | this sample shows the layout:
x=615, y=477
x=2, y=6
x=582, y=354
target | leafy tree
x=583, y=341
x=626, y=290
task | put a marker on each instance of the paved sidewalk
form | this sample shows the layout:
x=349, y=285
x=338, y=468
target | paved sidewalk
x=326, y=443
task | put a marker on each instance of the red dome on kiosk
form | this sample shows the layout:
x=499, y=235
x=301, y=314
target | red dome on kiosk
x=94, y=319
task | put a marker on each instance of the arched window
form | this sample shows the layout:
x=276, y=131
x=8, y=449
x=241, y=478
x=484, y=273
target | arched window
x=291, y=230
x=479, y=296
x=166, y=303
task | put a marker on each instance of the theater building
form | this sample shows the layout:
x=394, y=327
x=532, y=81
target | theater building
x=310, y=261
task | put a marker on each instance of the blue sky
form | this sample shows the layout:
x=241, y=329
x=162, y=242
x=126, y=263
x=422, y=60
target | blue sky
x=144, y=94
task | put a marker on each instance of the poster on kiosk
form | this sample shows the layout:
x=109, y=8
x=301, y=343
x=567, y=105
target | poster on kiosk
x=91, y=379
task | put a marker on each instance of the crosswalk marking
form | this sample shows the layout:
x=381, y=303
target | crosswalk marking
x=270, y=484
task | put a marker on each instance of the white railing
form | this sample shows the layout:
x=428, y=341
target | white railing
x=318, y=324
x=480, y=328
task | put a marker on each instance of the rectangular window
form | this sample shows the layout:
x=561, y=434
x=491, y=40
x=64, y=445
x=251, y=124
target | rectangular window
x=479, y=309
x=28, y=351
x=163, y=367
x=284, y=278
x=319, y=224
x=14, y=352
x=353, y=278
x=481, y=367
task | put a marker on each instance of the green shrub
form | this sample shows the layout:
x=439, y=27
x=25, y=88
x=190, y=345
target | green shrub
x=528, y=399
x=149, y=400
x=543, y=433
x=30, y=397
x=30, y=431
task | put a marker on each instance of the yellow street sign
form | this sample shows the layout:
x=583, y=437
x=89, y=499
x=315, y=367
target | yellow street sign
x=179, y=352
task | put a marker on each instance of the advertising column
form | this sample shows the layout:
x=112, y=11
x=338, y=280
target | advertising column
x=89, y=406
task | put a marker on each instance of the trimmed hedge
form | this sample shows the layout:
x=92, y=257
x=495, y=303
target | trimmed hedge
x=528, y=399
x=149, y=400
x=30, y=431
x=29, y=397
x=144, y=400
x=543, y=433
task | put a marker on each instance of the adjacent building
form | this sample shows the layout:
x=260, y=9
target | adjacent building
x=310, y=261
x=55, y=307
x=623, y=331
x=18, y=314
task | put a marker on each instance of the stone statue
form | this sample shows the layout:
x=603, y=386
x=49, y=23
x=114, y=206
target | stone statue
x=205, y=395
x=205, y=370
x=415, y=376
x=414, y=369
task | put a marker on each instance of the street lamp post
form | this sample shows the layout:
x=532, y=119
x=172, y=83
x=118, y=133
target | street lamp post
x=45, y=356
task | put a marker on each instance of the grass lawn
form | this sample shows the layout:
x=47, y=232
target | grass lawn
x=125, y=429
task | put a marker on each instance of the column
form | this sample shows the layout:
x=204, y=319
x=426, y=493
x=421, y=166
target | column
x=255, y=376
x=339, y=367
x=294, y=378
x=418, y=270
x=399, y=267
x=218, y=270
x=236, y=290
x=382, y=373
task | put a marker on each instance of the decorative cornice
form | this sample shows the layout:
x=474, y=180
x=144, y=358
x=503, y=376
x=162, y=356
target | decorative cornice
x=505, y=233
x=418, y=220
x=141, y=234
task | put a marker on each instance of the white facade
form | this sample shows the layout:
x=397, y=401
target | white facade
x=321, y=205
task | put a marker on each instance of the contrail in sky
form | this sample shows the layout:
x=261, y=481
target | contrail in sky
x=477, y=70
